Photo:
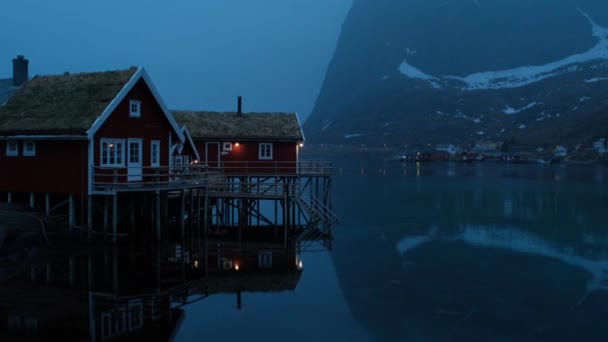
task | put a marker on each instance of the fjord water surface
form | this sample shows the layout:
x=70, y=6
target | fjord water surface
x=442, y=252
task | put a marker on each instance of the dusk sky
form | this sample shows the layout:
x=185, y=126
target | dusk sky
x=201, y=54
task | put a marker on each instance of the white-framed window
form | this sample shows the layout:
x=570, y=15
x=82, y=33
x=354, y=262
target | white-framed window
x=227, y=146
x=155, y=153
x=136, y=314
x=29, y=148
x=12, y=148
x=265, y=151
x=112, y=153
x=265, y=259
x=135, y=108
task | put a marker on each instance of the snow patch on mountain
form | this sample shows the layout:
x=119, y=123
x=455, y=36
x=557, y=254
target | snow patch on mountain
x=411, y=72
x=510, y=110
x=355, y=135
x=596, y=79
x=524, y=75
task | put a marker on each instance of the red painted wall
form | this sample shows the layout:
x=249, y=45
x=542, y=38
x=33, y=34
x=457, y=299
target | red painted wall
x=59, y=167
x=245, y=158
x=152, y=125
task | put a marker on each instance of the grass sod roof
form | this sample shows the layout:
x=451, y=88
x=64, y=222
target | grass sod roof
x=68, y=103
x=248, y=126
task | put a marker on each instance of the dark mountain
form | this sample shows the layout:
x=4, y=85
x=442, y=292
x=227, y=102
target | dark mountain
x=435, y=71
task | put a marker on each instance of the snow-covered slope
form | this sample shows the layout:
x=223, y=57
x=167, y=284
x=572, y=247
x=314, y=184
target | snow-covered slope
x=435, y=72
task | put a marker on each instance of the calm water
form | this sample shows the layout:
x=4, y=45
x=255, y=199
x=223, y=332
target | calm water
x=438, y=252
x=443, y=252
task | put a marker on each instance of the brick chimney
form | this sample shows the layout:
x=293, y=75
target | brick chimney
x=20, y=70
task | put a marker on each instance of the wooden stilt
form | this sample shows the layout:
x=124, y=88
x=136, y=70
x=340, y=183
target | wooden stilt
x=157, y=215
x=47, y=205
x=114, y=218
x=132, y=213
x=182, y=224
x=105, y=215
x=71, y=212
x=89, y=217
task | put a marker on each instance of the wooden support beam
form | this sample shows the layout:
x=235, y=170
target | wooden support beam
x=32, y=200
x=9, y=198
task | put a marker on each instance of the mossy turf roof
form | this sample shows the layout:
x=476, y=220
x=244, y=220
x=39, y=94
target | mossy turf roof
x=68, y=103
x=247, y=126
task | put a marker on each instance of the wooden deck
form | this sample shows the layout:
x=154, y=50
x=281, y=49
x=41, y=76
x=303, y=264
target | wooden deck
x=197, y=176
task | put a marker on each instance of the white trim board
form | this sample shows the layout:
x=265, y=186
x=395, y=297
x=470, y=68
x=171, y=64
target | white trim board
x=189, y=139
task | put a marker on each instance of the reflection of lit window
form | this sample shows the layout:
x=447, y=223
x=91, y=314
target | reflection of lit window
x=120, y=320
x=31, y=325
x=265, y=259
x=106, y=324
x=136, y=314
x=14, y=322
x=112, y=153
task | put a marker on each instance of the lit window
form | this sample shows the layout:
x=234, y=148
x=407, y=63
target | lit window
x=265, y=259
x=12, y=148
x=135, y=108
x=29, y=148
x=155, y=153
x=112, y=153
x=227, y=146
x=265, y=151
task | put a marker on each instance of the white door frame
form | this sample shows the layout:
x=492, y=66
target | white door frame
x=134, y=165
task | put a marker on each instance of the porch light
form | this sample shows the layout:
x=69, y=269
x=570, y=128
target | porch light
x=301, y=145
x=195, y=264
x=236, y=266
x=300, y=265
x=236, y=144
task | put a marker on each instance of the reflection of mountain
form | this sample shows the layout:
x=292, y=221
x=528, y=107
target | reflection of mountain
x=474, y=253
x=112, y=295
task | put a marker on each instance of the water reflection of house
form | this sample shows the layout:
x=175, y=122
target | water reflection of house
x=114, y=296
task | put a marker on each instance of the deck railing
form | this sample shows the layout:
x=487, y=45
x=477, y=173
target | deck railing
x=196, y=175
x=308, y=167
x=106, y=179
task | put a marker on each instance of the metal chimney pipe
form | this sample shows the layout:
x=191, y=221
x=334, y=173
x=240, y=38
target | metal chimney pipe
x=240, y=106
x=20, y=70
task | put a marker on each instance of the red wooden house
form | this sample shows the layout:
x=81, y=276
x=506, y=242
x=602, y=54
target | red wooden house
x=84, y=134
x=246, y=143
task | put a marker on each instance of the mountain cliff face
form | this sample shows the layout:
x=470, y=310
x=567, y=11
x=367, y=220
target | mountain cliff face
x=423, y=72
